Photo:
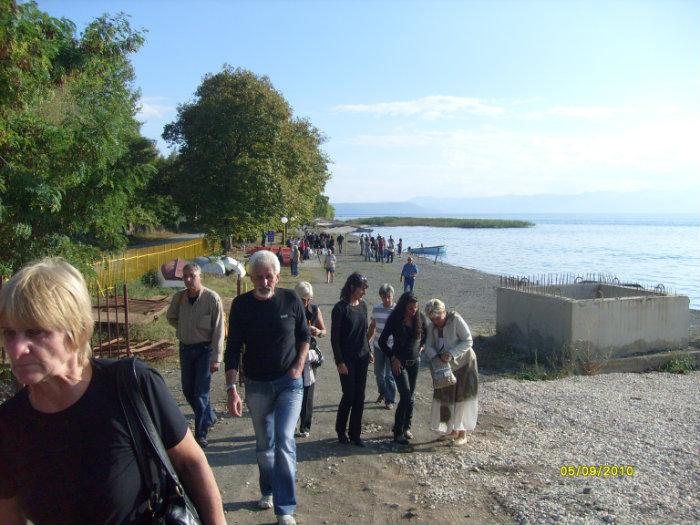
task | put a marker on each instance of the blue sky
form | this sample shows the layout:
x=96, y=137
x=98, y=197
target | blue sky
x=459, y=99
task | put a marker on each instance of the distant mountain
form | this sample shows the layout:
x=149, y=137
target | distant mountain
x=592, y=202
x=346, y=210
x=648, y=203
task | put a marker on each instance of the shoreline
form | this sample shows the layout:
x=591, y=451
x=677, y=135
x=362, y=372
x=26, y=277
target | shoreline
x=470, y=291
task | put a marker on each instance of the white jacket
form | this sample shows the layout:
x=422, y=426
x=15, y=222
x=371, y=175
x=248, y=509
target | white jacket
x=457, y=339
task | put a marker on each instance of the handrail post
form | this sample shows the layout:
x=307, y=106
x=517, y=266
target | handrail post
x=126, y=321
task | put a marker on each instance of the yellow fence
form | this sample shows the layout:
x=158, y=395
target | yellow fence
x=133, y=263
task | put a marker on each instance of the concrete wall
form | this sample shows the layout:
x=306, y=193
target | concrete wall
x=631, y=325
x=608, y=327
x=534, y=314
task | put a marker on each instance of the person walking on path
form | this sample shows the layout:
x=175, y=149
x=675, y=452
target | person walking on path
x=329, y=264
x=386, y=386
x=339, y=241
x=317, y=328
x=67, y=455
x=390, y=250
x=455, y=408
x=271, y=323
x=352, y=357
x=198, y=315
x=399, y=247
x=294, y=261
x=406, y=325
x=408, y=275
x=381, y=245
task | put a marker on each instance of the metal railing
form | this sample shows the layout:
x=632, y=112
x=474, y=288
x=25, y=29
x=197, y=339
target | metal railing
x=133, y=263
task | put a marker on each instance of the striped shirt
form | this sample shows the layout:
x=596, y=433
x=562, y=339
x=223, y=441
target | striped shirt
x=380, y=314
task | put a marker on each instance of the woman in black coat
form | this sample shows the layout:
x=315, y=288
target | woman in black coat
x=406, y=325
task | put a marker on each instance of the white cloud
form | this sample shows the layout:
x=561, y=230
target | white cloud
x=432, y=107
x=658, y=153
x=587, y=112
x=154, y=108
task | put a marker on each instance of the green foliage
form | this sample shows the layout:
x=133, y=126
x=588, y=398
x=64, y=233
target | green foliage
x=679, y=364
x=150, y=278
x=244, y=161
x=442, y=223
x=323, y=208
x=72, y=158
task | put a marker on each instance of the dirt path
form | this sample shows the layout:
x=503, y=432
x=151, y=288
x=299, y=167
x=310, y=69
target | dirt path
x=336, y=483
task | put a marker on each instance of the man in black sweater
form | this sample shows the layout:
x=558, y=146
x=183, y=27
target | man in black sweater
x=271, y=323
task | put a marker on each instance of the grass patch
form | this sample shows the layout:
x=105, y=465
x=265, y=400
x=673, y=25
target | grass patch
x=155, y=331
x=441, y=222
x=679, y=364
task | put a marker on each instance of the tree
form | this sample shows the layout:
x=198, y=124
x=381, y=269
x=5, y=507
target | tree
x=244, y=161
x=72, y=157
x=323, y=208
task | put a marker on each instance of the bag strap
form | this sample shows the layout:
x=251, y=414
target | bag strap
x=129, y=386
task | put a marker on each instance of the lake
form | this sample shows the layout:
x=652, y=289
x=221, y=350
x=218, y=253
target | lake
x=648, y=250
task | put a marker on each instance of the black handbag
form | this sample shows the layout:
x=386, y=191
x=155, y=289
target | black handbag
x=168, y=503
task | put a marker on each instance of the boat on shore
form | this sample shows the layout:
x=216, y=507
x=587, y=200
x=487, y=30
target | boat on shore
x=428, y=250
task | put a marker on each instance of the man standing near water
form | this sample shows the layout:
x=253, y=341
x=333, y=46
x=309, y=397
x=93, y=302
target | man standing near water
x=271, y=323
x=408, y=275
x=198, y=315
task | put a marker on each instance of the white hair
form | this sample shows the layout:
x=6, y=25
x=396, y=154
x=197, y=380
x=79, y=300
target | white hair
x=304, y=290
x=264, y=258
x=434, y=307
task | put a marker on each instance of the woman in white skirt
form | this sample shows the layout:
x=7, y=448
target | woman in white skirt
x=455, y=408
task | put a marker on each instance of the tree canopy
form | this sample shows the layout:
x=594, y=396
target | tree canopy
x=72, y=158
x=244, y=160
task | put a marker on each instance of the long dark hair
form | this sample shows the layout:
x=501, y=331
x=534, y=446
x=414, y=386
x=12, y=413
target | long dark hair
x=398, y=313
x=354, y=280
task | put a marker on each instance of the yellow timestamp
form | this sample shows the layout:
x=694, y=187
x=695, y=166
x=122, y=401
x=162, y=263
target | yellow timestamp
x=596, y=471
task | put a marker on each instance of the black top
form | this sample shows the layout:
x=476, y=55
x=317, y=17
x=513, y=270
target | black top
x=78, y=465
x=349, y=331
x=311, y=316
x=406, y=345
x=271, y=330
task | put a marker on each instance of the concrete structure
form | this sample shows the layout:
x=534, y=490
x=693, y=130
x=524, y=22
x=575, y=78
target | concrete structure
x=603, y=320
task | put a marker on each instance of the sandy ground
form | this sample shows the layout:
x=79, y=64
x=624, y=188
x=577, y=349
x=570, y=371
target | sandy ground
x=384, y=483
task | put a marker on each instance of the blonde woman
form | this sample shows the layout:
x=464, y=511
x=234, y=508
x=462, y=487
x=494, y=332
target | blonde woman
x=314, y=318
x=66, y=454
x=455, y=408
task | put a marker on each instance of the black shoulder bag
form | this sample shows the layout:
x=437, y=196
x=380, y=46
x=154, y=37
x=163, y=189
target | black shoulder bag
x=168, y=503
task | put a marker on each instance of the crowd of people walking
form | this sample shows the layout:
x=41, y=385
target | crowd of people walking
x=46, y=324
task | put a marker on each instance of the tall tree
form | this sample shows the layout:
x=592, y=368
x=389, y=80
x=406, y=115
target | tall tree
x=72, y=157
x=244, y=160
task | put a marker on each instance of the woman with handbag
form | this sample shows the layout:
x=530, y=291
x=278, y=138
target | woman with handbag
x=406, y=325
x=449, y=342
x=314, y=358
x=68, y=451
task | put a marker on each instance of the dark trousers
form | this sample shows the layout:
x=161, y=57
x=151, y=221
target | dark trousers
x=195, y=375
x=406, y=385
x=352, y=403
x=307, y=409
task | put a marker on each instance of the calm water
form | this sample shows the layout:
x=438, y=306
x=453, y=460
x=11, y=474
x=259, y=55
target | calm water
x=648, y=250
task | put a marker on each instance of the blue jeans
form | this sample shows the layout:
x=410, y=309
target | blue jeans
x=408, y=283
x=274, y=408
x=406, y=384
x=195, y=375
x=295, y=268
x=386, y=385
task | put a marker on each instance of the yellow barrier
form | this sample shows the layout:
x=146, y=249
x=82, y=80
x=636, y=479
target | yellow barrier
x=135, y=262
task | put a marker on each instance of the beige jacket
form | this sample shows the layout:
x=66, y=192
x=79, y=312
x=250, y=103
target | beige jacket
x=457, y=339
x=199, y=322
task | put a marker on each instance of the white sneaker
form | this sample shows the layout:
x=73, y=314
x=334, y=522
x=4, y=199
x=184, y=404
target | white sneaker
x=265, y=502
x=286, y=519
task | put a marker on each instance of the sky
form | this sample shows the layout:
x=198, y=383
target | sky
x=458, y=99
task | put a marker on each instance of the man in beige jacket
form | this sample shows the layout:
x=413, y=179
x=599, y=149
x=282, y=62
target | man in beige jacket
x=198, y=315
